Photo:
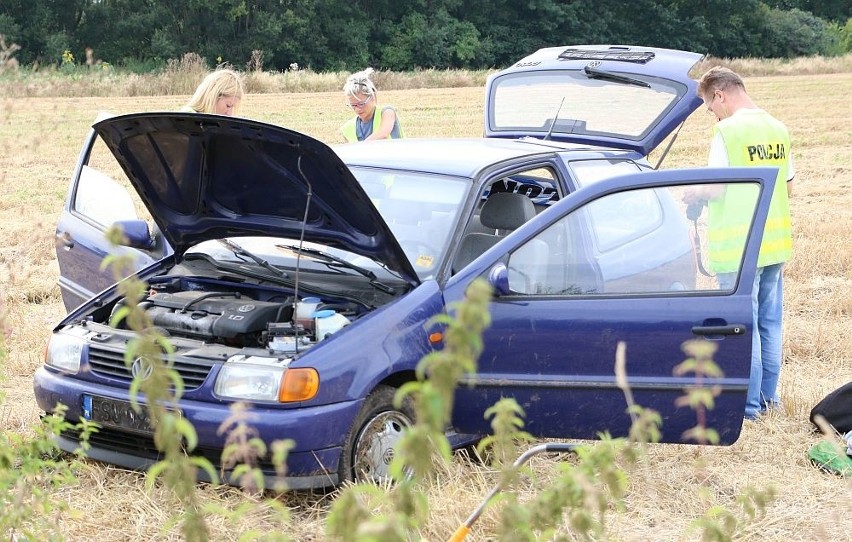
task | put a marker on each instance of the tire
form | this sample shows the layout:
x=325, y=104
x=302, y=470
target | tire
x=369, y=446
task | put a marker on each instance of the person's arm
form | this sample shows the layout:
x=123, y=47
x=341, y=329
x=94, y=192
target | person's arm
x=386, y=127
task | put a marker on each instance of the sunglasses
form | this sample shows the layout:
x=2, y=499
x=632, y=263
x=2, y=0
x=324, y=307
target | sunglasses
x=362, y=103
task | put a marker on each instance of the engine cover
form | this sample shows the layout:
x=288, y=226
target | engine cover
x=211, y=314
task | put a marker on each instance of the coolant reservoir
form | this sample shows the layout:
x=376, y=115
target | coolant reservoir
x=327, y=322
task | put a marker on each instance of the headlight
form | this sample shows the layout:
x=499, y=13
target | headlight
x=253, y=378
x=64, y=352
x=258, y=378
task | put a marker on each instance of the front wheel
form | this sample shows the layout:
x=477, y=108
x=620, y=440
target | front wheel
x=370, y=445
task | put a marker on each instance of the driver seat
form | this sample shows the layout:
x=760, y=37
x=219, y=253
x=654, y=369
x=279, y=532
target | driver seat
x=501, y=213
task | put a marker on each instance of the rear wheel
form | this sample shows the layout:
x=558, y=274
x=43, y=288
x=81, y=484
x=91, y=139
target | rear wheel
x=370, y=444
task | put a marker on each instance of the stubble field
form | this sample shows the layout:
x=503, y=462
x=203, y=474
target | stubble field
x=39, y=142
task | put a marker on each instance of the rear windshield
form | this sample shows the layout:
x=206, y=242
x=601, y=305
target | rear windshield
x=572, y=102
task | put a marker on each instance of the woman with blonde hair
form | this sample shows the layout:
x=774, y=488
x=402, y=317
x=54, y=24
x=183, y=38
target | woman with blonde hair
x=360, y=94
x=219, y=93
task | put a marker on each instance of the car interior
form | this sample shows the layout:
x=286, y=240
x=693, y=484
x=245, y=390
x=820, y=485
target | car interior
x=501, y=213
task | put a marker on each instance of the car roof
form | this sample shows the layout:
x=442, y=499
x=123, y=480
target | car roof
x=462, y=157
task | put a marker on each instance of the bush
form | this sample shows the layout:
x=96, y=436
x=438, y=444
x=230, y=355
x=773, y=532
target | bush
x=796, y=33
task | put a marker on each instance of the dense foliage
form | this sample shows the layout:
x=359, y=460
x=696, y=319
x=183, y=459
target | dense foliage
x=351, y=34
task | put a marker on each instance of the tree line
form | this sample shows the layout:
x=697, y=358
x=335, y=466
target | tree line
x=331, y=35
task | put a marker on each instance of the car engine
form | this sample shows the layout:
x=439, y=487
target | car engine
x=233, y=319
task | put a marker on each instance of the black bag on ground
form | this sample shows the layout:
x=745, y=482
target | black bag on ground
x=836, y=408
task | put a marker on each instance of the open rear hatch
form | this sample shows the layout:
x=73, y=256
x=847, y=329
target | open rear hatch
x=614, y=96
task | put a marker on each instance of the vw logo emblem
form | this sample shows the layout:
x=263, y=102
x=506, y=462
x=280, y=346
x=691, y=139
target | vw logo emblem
x=245, y=308
x=141, y=369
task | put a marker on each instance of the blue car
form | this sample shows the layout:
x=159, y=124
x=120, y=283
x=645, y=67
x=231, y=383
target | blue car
x=274, y=261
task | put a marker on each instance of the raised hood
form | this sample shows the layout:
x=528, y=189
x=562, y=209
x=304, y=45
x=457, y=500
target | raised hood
x=207, y=177
x=611, y=95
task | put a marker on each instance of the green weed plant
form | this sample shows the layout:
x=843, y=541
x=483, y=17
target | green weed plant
x=32, y=468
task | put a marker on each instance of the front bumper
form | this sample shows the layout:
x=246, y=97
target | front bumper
x=318, y=431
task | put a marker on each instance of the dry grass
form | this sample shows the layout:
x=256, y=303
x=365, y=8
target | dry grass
x=182, y=75
x=756, y=67
x=40, y=139
x=182, y=78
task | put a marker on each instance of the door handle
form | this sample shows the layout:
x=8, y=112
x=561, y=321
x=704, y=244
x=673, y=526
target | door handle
x=729, y=329
x=66, y=239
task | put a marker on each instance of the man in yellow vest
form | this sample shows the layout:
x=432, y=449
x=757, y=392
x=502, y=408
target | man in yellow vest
x=746, y=135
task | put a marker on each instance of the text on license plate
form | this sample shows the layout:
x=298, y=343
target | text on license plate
x=116, y=413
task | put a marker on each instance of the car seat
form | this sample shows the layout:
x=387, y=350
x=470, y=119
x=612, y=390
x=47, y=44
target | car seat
x=501, y=213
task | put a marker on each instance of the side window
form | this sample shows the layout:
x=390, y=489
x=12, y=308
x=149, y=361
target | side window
x=539, y=185
x=558, y=261
x=102, y=200
x=103, y=194
x=505, y=205
x=588, y=172
x=625, y=217
x=595, y=251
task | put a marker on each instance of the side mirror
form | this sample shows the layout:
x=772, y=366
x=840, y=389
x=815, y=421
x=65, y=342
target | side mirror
x=498, y=278
x=137, y=233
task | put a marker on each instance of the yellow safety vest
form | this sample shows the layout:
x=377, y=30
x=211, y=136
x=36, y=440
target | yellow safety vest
x=753, y=138
x=348, y=128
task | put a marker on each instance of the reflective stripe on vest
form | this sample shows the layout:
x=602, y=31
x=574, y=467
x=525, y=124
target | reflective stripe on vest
x=752, y=138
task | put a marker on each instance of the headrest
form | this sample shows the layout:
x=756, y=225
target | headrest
x=506, y=211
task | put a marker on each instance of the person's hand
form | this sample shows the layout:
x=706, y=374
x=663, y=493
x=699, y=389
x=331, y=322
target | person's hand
x=693, y=195
x=697, y=194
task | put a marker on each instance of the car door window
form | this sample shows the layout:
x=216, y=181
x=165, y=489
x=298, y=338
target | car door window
x=588, y=172
x=631, y=242
x=101, y=199
x=538, y=184
x=625, y=215
x=103, y=194
x=505, y=204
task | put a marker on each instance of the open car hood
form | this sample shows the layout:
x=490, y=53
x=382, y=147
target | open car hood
x=611, y=95
x=208, y=177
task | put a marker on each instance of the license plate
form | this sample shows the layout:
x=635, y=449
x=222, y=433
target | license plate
x=116, y=413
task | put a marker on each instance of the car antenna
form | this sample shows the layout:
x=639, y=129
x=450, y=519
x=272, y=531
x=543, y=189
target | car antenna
x=301, y=241
x=553, y=124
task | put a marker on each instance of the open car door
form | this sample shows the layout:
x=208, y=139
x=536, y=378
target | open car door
x=96, y=201
x=563, y=304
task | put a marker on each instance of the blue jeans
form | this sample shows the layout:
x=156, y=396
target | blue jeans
x=767, y=308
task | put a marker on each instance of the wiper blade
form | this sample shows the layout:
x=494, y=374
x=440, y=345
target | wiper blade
x=595, y=73
x=240, y=251
x=332, y=260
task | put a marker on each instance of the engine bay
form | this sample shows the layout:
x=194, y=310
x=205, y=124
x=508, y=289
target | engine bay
x=232, y=318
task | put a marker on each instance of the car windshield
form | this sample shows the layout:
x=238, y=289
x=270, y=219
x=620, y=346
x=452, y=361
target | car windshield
x=421, y=211
x=581, y=102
